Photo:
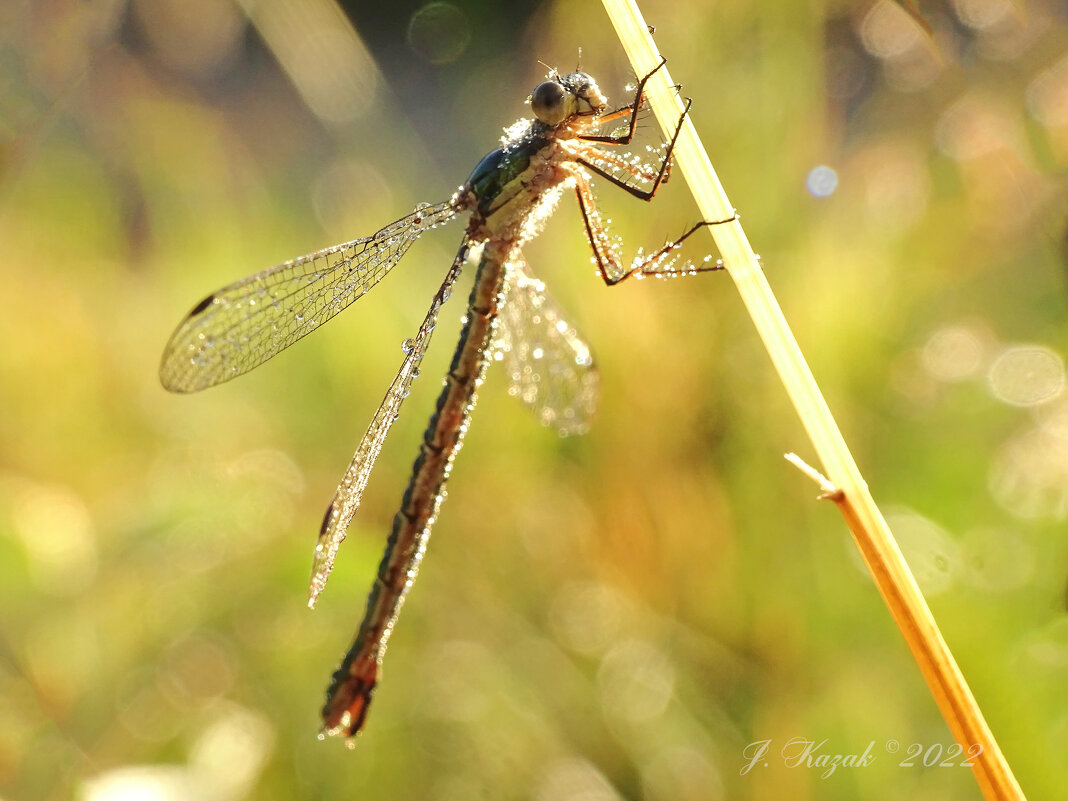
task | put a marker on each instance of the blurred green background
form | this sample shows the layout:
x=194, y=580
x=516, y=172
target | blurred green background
x=613, y=616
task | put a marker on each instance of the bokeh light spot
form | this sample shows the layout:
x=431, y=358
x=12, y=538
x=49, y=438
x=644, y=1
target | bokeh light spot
x=463, y=692
x=144, y=710
x=636, y=681
x=896, y=187
x=821, y=181
x=573, y=778
x=143, y=783
x=1047, y=95
x=196, y=668
x=979, y=14
x=887, y=30
x=894, y=36
x=953, y=353
x=586, y=616
x=997, y=560
x=232, y=750
x=439, y=33
x=681, y=774
x=1026, y=375
x=199, y=38
x=57, y=532
x=1050, y=646
x=1029, y=476
x=932, y=555
x=974, y=127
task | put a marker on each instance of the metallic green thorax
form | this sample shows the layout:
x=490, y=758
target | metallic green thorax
x=495, y=180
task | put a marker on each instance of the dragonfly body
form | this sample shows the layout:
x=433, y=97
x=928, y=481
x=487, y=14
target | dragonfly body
x=508, y=196
x=508, y=190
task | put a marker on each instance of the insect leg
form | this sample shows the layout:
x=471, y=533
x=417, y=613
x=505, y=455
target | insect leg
x=606, y=250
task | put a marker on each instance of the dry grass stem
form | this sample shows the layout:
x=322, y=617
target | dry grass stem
x=827, y=487
x=865, y=521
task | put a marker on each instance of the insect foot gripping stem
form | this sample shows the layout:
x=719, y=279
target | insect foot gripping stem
x=349, y=697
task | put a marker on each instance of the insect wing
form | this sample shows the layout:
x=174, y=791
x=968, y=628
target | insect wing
x=550, y=367
x=242, y=325
x=349, y=492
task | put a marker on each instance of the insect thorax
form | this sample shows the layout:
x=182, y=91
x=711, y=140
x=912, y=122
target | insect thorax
x=513, y=187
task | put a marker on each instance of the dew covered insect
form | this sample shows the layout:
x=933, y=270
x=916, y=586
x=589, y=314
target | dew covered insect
x=509, y=317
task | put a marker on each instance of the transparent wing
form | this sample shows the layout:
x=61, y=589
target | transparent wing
x=242, y=325
x=349, y=492
x=550, y=368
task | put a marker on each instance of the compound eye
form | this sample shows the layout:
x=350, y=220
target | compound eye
x=549, y=102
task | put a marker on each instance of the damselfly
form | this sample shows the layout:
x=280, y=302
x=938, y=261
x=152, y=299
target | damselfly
x=509, y=317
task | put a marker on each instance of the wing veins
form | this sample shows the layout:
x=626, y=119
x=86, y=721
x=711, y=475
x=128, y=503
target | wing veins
x=248, y=322
x=350, y=490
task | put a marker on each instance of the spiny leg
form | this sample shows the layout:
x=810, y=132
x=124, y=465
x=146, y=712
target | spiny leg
x=628, y=110
x=632, y=107
x=611, y=116
x=587, y=155
x=606, y=254
x=623, y=169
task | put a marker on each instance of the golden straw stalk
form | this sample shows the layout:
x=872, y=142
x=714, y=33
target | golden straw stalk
x=870, y=531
